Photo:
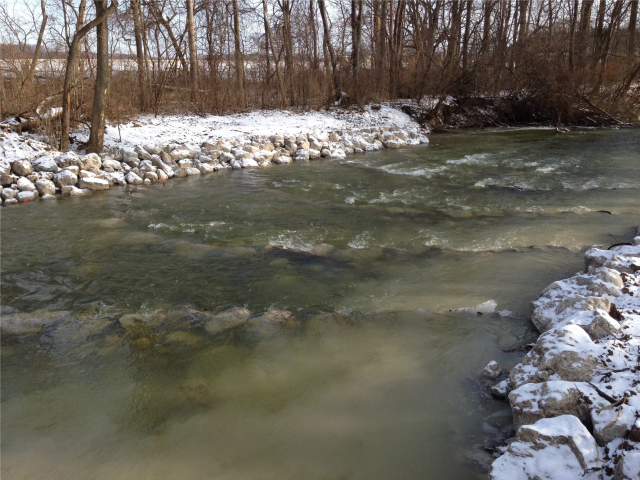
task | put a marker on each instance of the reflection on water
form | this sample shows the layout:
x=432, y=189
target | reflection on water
x=363, y=381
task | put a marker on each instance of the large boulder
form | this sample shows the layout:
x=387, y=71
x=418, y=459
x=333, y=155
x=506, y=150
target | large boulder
x=93, y=183
x=152, y=149
x=187, y=171
x=26, y=196
x=6, y=177
x=533, y=401
x=68, y=159
x=115, y=178
x=133, y=179
x=22, y=167
x=5, y=167
x=8, y=193
x=597, y=323
x=111, y=164
x=45, y=164
x=45, y=187
x=625, y=258
x=559, y=448
x=565, y=353
x=563, y=298
x=88, y=162
x=64, y=178
x=25, y=185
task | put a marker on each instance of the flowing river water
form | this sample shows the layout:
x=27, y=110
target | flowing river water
x=377, y=380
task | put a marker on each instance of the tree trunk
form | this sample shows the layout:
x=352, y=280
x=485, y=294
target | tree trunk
x=583, y=31
x=193, y=54
x=467, y=34
x=36, y=54
x=356, y=34
x=285, y=6
x=396, y=47
x=68, y=76
x=327, y=42
x=273, y=52
x=96, y=135
x=599, y=34
x=572, y=33
x=633, y=19
x=141, y=73
x=486, y=27
x=242, y=93
x=315, y=63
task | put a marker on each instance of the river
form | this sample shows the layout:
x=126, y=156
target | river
x=377, y=379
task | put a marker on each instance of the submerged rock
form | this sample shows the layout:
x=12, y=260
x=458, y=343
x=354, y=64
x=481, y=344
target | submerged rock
x=30, y=323
x=76, y=329
x=226, y=320
x=139, y=322
x=272, y=323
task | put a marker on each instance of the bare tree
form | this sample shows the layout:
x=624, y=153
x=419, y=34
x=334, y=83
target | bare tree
x=71, y=61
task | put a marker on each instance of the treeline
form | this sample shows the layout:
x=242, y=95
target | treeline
x=559, y=61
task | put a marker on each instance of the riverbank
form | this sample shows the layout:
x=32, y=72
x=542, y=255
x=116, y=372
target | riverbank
x=575, y=396
x=156, y=149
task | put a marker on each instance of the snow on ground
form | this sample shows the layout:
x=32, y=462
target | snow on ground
x=193, y=129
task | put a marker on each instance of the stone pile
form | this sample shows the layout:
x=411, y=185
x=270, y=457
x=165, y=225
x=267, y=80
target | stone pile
x=48, y=173
x=575, y=397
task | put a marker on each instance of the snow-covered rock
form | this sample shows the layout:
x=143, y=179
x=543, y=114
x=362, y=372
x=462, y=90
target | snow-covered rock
x=22, y=167
x=65, y=177
x=597, y=323
x=565, y=353
x=93, y=183
x=45, y=164
x=561, y=299
x=558, y=448
x=492, y=370
x=25, y=185
x=45, y=187
x=111, y=164
x=26, y=196
x=73, y=191
x=133, y=179
x=533, y=401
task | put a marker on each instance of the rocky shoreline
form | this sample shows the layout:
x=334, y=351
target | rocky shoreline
x=41, y=173
x=575, y=397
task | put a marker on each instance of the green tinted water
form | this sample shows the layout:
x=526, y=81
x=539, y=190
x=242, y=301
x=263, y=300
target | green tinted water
x=386, y=240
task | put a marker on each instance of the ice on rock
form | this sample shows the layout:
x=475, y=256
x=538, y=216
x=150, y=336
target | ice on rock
x=485, y=307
